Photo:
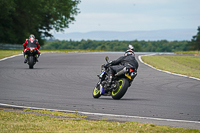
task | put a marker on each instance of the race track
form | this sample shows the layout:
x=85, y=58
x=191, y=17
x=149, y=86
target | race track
x=65, y=81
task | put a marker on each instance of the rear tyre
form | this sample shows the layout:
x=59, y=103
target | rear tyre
x=121, y=90
x=31, y=62
x=96, y=91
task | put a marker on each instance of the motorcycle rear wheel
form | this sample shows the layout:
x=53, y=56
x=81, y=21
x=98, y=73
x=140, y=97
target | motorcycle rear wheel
x=121, y=90
x=96, y=91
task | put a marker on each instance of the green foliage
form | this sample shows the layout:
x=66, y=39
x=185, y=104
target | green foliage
x=195, y=42
x=115, y=45
x=20, y=18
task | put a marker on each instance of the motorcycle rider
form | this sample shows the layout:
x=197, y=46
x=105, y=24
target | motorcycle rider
x=128, y=60
x=31, y=42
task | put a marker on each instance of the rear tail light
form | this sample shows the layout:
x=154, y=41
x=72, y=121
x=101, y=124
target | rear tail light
x=131, y=70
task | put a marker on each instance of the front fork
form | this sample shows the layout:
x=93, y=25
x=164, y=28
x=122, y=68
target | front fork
x=36, y=56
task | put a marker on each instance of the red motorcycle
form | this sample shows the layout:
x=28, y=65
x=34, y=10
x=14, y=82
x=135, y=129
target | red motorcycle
x=32, y=55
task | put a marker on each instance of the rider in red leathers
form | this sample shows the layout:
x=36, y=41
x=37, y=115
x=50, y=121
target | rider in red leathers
x=31, y=42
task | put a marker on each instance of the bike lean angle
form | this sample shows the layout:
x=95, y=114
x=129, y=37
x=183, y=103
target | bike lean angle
x=120, y=83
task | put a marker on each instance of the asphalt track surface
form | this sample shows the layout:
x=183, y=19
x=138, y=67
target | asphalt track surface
x=65, y=81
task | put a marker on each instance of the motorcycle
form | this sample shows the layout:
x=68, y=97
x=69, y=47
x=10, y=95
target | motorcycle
x=31, y=53
x=119, y=85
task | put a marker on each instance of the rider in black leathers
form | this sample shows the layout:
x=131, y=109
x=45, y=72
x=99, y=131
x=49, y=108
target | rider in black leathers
x=128, y=60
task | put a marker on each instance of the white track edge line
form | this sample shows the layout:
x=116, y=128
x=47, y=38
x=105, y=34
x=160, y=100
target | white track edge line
x=101, y=114
x=139, y=57
x=10, y=57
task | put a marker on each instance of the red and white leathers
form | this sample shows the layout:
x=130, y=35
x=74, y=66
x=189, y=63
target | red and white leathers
x=33, y=42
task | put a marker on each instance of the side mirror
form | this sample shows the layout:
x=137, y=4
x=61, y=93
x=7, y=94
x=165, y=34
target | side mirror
x=107, y=58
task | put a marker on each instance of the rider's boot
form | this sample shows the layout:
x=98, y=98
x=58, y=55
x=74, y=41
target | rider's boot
x=37, y=58
x=25, y=61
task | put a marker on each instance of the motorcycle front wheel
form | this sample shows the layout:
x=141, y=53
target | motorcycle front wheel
x=31, y=62
x=119, y=92
x=96, y=91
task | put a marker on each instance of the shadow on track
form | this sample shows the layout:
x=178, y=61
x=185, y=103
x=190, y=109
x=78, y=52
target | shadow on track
x=125, y=99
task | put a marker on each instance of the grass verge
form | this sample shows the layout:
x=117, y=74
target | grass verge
x=195, y=53
x=186, y=65
x=30, y=122
x=7, y=53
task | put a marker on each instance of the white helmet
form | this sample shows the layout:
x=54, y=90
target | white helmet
x=129, y=52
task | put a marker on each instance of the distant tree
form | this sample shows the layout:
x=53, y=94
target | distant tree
x=195, y=42
x=103, y=47
x=137, y=47
x=20, y=18
x=140, y=46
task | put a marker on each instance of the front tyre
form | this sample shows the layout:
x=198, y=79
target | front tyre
x=31, y=62
x=119, y=92
x=96, y=91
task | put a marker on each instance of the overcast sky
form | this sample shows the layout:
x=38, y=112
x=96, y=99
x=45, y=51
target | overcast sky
x=136, y=15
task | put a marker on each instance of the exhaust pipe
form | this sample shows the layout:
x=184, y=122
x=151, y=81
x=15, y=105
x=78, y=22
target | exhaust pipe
x=123, y=71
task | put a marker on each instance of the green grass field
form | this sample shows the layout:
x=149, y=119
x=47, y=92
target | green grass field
x=11, y=122
x=7, y=53
x=195, y=53
x=186, y=65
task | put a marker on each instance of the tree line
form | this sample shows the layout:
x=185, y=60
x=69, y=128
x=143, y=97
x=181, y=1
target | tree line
x=20, y=18
x=140, y=46
x=194, y=44
x=115, y=45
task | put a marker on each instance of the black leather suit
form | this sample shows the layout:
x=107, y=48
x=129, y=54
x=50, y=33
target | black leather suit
x=121, y=62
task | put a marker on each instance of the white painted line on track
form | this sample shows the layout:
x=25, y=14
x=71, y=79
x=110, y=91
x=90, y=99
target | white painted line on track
x=139, y=57
x=100, y=114
x=14, y=56
x=10, y=57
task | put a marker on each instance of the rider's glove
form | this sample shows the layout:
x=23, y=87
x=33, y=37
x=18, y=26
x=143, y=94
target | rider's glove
x=103, y=65
x=108, y=64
